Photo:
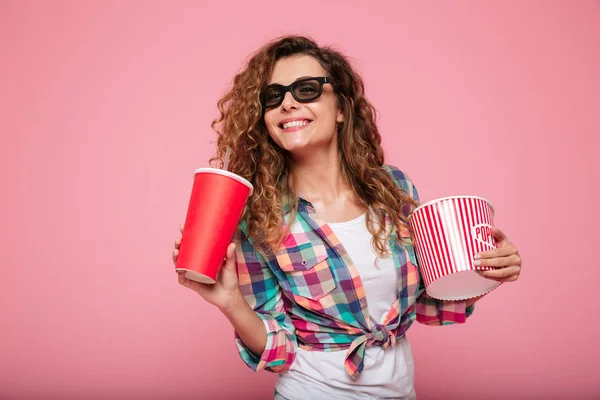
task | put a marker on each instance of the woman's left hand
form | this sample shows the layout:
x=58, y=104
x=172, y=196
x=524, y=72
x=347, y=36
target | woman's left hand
x=505, y=260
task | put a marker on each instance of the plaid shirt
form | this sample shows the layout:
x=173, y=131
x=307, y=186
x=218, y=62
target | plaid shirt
x=309, y=294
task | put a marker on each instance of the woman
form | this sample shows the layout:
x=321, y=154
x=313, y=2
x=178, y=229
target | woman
x=320, y=282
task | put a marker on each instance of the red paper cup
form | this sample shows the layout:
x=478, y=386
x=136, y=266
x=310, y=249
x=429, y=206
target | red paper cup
x=216, y=204
x=448, y=233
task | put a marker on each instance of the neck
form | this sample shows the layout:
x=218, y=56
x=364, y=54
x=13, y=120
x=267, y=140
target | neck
x=318, y=176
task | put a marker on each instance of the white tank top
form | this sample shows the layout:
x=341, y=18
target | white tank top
x=387, y=374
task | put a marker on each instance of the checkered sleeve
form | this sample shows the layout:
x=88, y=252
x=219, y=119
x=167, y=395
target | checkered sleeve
x=261, y=290
x=431, y=311
x=441, y=312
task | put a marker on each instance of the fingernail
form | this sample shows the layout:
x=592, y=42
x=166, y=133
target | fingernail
x=477, y=262
x=477, y=256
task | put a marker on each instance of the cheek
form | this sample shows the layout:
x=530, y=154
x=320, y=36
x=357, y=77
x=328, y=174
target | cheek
x=267, y=119
x=269, y=123
x=271, y=129
x=274, y=136
x=325, y=112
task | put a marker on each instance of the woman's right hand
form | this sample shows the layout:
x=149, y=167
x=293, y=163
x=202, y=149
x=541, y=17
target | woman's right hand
x=226, y=291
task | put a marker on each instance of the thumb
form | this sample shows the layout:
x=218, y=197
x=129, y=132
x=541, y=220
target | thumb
x=500, y=237
x=230, y=259
x=228, y=274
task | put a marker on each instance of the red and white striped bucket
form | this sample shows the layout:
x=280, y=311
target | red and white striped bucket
x=448, y=233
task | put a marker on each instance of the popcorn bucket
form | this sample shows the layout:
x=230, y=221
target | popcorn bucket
x=448, y=232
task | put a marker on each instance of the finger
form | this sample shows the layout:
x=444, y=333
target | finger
x=500, y=237
x=508, y=250
x=175, y=255
x=181, y=228
x=177, y=242
x=182, y=279
x=502, y=274
x=513, y=260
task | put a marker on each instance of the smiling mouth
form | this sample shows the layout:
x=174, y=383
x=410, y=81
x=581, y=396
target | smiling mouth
x=295, y=124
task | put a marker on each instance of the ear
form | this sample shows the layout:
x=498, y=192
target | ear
x=340, y=117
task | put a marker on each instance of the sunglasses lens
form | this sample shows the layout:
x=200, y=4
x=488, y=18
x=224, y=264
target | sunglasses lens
x=272, y=96
x=307, y=90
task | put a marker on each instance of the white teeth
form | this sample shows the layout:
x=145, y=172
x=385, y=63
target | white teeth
x=294, y=124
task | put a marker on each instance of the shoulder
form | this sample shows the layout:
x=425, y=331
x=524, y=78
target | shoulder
x=401, y=178
x=241, y=233
x=247, y=243
x=246, y=250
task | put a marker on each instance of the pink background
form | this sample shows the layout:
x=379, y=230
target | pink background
x=105, y=109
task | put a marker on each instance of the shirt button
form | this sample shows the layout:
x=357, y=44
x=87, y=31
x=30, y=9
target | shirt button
x=304, y=262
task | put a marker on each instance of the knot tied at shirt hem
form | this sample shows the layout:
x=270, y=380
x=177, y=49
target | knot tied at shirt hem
x=379, y=335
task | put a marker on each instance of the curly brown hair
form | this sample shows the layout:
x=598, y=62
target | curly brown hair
x=257, y=158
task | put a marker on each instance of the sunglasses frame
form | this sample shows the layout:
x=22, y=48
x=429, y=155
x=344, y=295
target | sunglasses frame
x=290, y=88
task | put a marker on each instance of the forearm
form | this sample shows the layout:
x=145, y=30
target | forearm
x=249, y=326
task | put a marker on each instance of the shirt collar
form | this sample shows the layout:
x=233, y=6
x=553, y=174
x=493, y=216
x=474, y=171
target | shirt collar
x=288, y=203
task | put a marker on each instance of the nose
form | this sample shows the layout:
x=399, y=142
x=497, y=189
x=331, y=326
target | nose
x=289, y=102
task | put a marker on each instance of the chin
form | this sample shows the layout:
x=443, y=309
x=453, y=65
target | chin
x=293, y=143
x=295, y=147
